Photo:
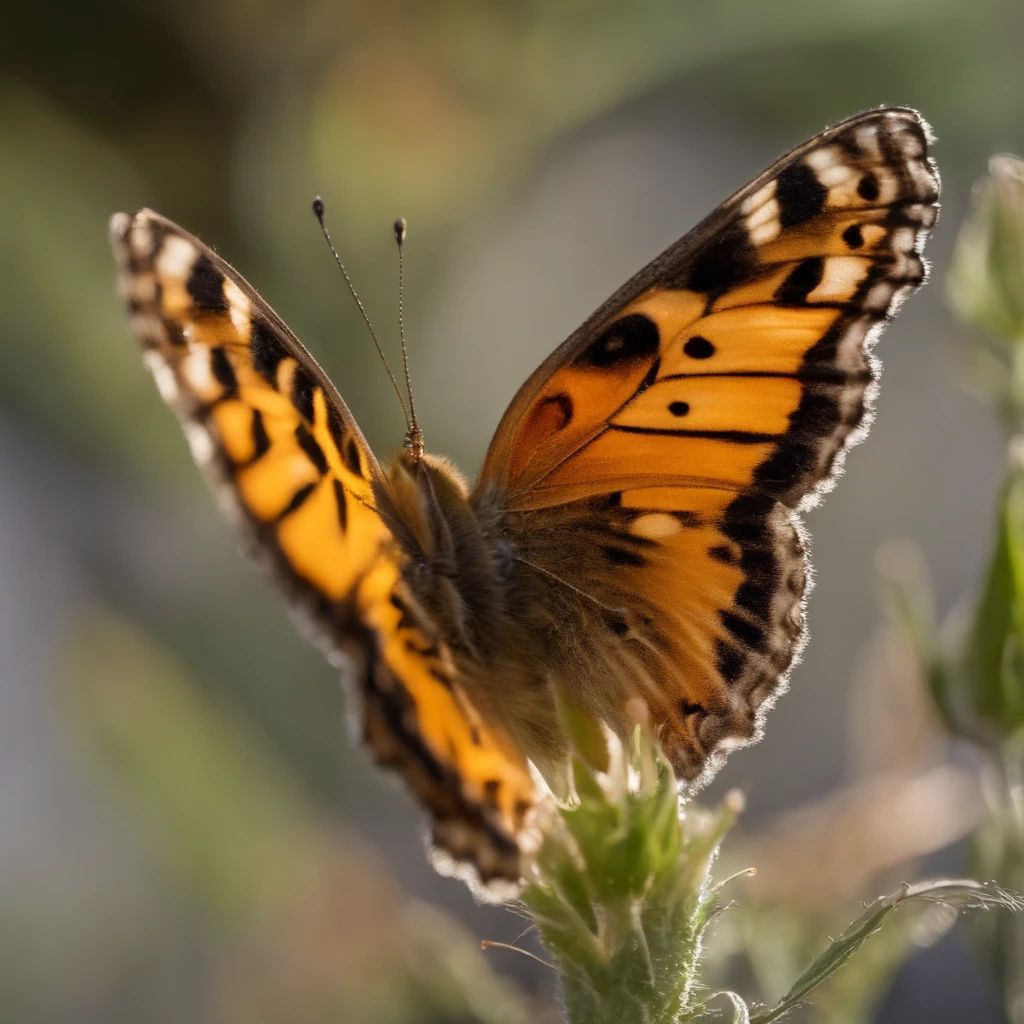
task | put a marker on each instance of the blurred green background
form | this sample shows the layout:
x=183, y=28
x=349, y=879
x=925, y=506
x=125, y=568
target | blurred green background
x=186, y=831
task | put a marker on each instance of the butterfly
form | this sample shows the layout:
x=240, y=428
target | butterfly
x=634, y=533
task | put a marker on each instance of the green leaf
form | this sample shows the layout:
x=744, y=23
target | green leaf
x=987, y=272
x=985, y=285
x=994, y=659
x=958, y=893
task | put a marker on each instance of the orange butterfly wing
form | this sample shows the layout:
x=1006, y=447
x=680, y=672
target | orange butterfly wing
x=653, y=464
x=296, y=476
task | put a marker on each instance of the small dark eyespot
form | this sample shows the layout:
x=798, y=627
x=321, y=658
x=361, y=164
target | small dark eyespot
x=853, y=236
x=867, y=188
x=679, y=408
x=616, y=623
x=561, y=405
x=699, y=348
x=631, y=339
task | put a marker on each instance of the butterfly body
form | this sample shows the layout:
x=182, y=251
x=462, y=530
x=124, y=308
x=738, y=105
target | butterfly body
x=633, y=540
x=463, y=574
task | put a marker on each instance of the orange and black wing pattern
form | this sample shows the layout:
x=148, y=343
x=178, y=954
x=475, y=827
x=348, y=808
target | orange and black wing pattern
x=295, y=475
x=656, y=461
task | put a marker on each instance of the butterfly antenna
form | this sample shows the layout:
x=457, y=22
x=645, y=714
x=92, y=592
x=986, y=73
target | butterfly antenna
x=414, y=439
x=318, y=210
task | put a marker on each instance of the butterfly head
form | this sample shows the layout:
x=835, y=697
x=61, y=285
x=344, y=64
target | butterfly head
x=413, y=442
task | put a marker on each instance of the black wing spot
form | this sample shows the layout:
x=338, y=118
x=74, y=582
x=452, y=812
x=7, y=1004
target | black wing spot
x=205, y=285
x=746, y=632
x=492, y=787
x=689, y=707
x=616, y=622
x=802, y=280
x=298, y=498
x=405, y=619
x=621, y=556
x=728, y=259
x=350, y=453
x=308, y=443
x=260, y=440
x=442, y=677
x=699, y=347
x=849, y=145
x=853, y=236
x=223, y=371
x=730, y=661
x=687, y=518
x=629, y=340
x=867, y=187
x=722, y=553
x=267, y=350
x=561, y=405
x=800, y=195
x=303, y=387
x=335, y=426
x=679, y=408
x=341, y=500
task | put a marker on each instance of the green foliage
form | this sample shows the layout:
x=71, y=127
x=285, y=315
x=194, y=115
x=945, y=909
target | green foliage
x=954, y=893
x=623, y=894
x=994, y=654
x=780, y=941
x=975, y=661
x=986, y=287
x=985, y=278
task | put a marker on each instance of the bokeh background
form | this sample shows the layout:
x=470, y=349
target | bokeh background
x=186, y=829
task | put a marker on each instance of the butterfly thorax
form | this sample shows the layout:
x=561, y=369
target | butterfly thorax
x=463, y=574
x=450, y=565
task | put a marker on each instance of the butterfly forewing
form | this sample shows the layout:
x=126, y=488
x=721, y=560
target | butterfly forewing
x=653, y=462
x=296, y=476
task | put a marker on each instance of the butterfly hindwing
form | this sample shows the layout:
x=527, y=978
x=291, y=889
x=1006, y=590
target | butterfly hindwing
x=655, y=461
x=695, y=599
x=296, y=476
